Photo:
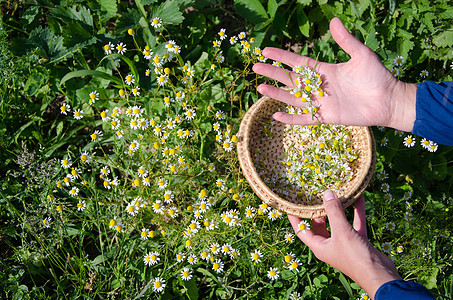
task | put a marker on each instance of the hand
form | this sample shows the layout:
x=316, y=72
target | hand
x=347, y=248
x=361, y=92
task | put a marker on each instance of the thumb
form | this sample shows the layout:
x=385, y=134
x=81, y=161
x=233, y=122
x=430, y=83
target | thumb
x=335, y=213
x=345, y=39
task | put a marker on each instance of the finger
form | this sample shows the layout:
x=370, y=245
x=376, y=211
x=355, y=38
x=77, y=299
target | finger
x=345, y=39
x=282, y=75
x=303, y=119
x=319, y=227
x=335, y=213
x=280, y=95
x=308, y=237
x=359, y=223
x=288, y=58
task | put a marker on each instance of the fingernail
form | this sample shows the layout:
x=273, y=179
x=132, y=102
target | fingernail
x=259, y=88
x=329, y=195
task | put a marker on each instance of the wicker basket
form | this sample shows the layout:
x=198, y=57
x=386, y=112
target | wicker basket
x=249, y=140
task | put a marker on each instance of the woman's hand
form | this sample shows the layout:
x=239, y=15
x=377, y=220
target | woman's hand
x=346, y=247
x=360, y=92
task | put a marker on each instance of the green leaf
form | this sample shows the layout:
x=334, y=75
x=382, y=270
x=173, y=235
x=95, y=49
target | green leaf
x=251, y=10
x=303, y=22
x=444, y=39
x=110, y=6
x=429, y=280
x=304, y=2
x=272, y=7
x=345, y=284
x=192, y=289
x=76, y=35
x=371, y=40
x=169, y=12
x=82, y=73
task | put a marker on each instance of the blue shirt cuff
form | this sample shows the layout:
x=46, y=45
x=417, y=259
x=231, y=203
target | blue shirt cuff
x=402, y=290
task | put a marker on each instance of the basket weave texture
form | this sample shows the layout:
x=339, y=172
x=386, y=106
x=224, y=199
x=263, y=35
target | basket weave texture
x=251, y=141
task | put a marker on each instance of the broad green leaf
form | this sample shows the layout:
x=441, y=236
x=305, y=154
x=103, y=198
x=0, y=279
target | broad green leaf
x=129, y=19
x=82, y=73
x=251, y=10
x=444, y=39
x=76, y=35
x=192, y=289
x=303, y=22
x=272, y=7
x=169, y=12
x=110, y=6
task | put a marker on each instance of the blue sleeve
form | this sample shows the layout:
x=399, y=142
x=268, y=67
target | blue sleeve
x=402, y=290
x=434, y=112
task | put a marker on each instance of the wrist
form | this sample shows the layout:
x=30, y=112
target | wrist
x=380, y=270
x=403, y=100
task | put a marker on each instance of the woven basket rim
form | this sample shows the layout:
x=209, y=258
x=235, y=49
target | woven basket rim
x=270, y=197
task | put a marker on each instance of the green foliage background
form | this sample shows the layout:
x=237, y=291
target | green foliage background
x=43, y=44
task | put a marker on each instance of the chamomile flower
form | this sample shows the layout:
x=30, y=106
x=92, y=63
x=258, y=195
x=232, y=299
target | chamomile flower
x=169, y=45
x=66, y=163
x=273, y=273
x=295, y=263
x=227, y=145
x=147, y=54
x=399, y=61
x=303, y=226
x=190, y=114
x=390, y=226
x=424, y=74
x=409, y=141
x=156, y=22
x=121, y=48
x=96, y=136
x=46, y=222
x=384, y=141
x=386, y=247
x=186, y=274
x=399, y=249
x=131, y=209
x=217, y=266
x=256, y=256
x=289, y=238
x=129, y=79
x=415, y=242
x=215, y=248
x=108, y=48
x=157, y=207
x=134, y=145
x=233, y=40
x=432, y=147
x=242, y=35
x=65, y=108
x=162, y=183
x=92, y=97
x=162, y=79
x=158, y=284
x=395, y=71
x=192, y=259
x=382, y=175
x=151, y=258
x=144, y=234
x=74, y=191
x=81, y=205
x=136, y=91
x=77, y=114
